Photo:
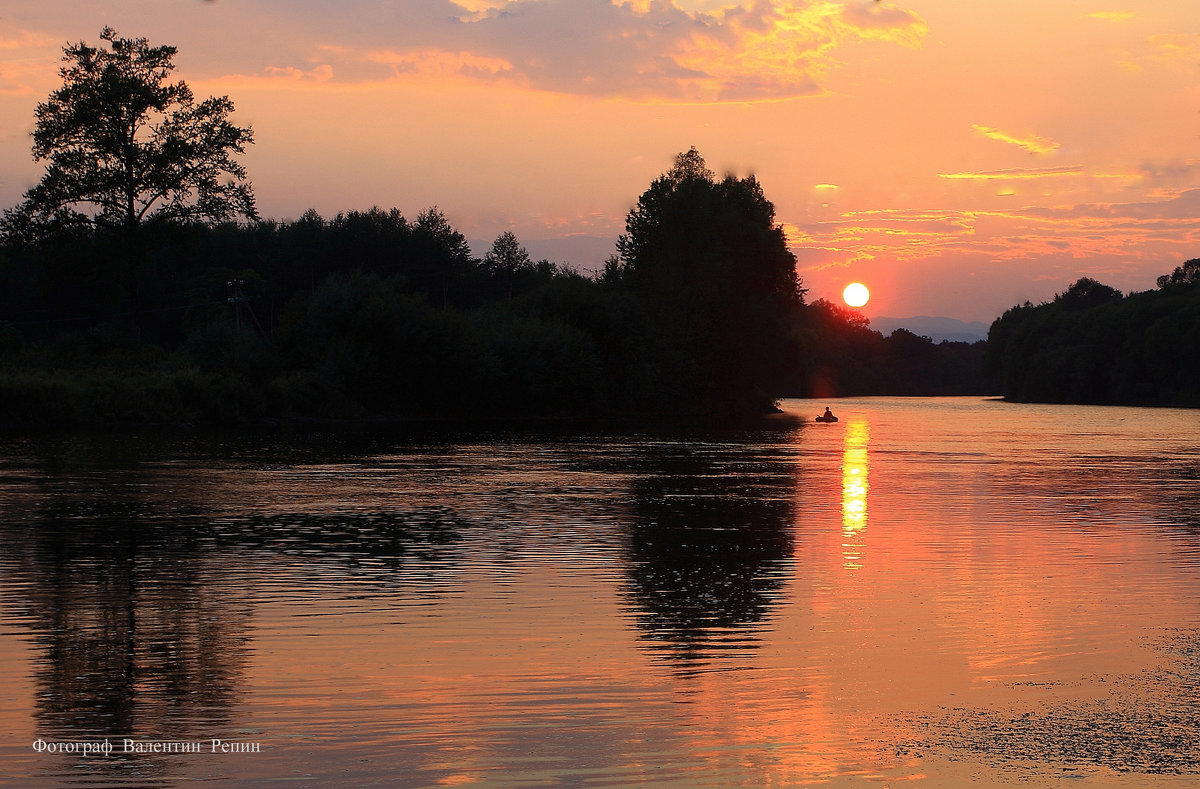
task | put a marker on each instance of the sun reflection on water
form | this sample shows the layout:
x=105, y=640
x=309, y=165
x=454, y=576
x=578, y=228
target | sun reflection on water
x=855, y=485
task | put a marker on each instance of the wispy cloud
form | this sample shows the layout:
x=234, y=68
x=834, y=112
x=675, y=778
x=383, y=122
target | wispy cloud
x=648, y=50
x=1028, y=142
x=1013, y=174
x=1177, y=173
x=1179, y=49
x=321, y=73
x=435, y=63
x=1112, y=16
x=997, y=258
x=28, y=63
x=885, y=21
x=17, y=38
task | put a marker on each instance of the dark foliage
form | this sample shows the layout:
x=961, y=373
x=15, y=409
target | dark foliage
x=1187, y=274
x=365, y=314
x=369, y=314
x=123, y=146
x=1093, y=345
x=840, y=355
x=714, y=272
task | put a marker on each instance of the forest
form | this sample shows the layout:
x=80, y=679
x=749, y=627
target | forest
x=370, y=314
x=1094, y=345
x=138, y=284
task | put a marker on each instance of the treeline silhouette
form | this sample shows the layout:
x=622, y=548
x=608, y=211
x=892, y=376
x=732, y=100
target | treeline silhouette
x=838, y=354
x=366, y=313
x=1094, y=345
x=369, y=314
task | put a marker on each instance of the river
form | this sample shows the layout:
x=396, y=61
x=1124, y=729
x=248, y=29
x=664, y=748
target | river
x=928, y=593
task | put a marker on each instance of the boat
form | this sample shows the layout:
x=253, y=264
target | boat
x=830, y=418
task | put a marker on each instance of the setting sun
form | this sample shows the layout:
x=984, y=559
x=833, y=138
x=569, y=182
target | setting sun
x=856, y=294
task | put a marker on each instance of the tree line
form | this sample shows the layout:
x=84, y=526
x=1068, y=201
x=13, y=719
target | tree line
x=137, y=282
x=1092, y=344
x=370, y=313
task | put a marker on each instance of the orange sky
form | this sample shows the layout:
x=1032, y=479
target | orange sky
x=959, y=158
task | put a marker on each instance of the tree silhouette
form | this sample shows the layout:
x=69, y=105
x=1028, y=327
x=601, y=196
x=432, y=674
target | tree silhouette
x=1087, y=293
x=715, y=273
x=1187, y=274
x=125, y=146
x=507, y=256
x=1093, y=345
x=507, y=260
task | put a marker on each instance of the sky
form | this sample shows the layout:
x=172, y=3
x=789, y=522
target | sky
x=957, y=157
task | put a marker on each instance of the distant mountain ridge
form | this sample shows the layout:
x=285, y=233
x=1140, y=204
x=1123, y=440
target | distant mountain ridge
x=935, y=328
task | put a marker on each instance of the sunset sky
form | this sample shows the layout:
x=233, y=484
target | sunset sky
x=959, y=158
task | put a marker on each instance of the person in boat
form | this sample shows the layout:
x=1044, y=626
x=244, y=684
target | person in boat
x=828, y=414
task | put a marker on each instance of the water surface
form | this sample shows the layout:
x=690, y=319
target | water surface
x=927, y=593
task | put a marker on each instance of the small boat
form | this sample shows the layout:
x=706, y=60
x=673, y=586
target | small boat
x=830, y=418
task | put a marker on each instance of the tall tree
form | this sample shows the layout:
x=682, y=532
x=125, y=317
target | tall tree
x=506, y=261
x=507, y=256
x=123, y=146
x=713, y=267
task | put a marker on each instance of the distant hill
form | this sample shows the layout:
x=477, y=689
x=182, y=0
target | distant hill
x=936, y=329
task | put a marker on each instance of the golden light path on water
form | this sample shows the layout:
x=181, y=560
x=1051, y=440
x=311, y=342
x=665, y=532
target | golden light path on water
x=855, y=485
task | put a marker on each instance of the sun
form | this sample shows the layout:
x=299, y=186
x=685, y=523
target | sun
x=856, y=294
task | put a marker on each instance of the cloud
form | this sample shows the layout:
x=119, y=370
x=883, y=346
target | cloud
x=435, y=63
x=1112, y=16
x=1029, y=142
x=16, y=38
x=1178, y=50
x=1170, y=174
x=1176, y=42
x=1148, y=233
x=641, y=50
x=885, y=21
x=29, y=62
x=322, y=73
x=1013, y=174
x=991, y=260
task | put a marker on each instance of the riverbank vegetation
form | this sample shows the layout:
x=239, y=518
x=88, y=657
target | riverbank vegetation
x=138, y=283
x=1093, y=344
x=371, y=314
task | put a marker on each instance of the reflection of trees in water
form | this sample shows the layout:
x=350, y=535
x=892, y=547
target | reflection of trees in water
x=1177, y=488
x=138, y=587
x=1180, y=492
x=710, y=545
x=145, y=625
x=138, y=634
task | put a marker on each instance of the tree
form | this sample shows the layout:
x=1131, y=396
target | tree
x=1187, y=274
x=507, y=256
x=506, y=261
x=440, y=262
x=715, y=273
x=1087, y=293
x=124, y=146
